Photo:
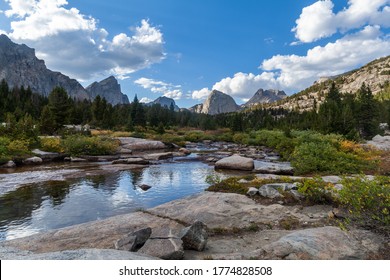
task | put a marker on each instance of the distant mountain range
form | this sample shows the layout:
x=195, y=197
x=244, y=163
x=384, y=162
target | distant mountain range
x=220, y=103
x=20, y=67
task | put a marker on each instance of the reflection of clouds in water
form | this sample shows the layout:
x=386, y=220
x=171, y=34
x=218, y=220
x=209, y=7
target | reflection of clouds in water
x=105, y=196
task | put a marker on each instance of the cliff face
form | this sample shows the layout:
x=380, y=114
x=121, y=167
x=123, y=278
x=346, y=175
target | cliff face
x=109, y=89
x=219, y=103
x=165, y=102
x=265, y=96
x=20, y=67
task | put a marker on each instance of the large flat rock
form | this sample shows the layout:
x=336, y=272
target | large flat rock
x=227, y=210
x=235, y=162
x=134, y=144
x=98, y=234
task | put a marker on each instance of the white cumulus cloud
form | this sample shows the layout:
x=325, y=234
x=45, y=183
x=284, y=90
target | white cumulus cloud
x=319, y=20
x=200, y=94
x=145, y=100
x=159, y=87
x=293, y=73
x=74, y=44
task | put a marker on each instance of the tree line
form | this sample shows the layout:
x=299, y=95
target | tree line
x=354, y=115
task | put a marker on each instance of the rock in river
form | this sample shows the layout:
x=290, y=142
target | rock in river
x=235, y=162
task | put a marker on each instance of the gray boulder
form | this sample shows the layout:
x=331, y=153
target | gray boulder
x=9, y=164
x=235, y=162
x=167, y=249
x=195, y=237
x=159, y=156
x=134, y=144
x=33, y=160
x=324, y=243
x=277, y=168
x=252, y=191
x=47, y=156
x=140, y=161
x=133, y=241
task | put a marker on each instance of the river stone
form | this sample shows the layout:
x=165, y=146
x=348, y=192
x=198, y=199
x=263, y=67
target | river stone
x=269, y=191
x=136, y=160
x=235, y=162
x=324, y=243
x=331, y=179
x=159, y=156
x=195, y=237
x=47, y=156
x=33, y=160
x=140, y=144
x=167, y=249
x=184, y=151
x=133, y=241
x=277, y=168
x=252, y=191
x=125, y=151
x=9, y=164
x=144, y=187
x=76, y=159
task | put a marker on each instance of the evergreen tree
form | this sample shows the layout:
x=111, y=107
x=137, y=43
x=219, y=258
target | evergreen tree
x=368, y=119
x=59, y=106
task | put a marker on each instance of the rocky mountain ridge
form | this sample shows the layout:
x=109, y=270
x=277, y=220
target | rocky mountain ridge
x=19, y=66
x=375, y=74
x=265, y=96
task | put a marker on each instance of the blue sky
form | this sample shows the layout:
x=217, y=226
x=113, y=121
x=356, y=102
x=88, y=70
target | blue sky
x=184, y=49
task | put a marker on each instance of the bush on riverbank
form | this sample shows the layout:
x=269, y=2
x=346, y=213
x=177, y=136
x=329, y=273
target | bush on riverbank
x=76, y=145
x=368, y=200
x=13, y=149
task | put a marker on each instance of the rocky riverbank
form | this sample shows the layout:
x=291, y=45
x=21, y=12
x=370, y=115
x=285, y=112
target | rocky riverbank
x=221, y=225
x=237, y=226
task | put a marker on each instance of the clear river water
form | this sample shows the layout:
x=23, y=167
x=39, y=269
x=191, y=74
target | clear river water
x=43, y=202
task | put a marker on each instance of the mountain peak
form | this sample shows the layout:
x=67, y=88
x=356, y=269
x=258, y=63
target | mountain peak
x=219, y=103
x=109, y=89
x=265, y=96
x=164, y=102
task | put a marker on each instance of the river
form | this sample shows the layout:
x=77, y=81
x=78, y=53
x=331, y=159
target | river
x=38, y=199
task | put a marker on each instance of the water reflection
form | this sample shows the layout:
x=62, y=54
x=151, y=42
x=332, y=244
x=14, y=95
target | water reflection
x=44, y=206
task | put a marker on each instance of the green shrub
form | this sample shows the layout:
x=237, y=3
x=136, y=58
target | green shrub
x=51, y=144
x=368, y=201
x=316, y=191
x=230, y=185
x=4, y=142
x=18, y=148
x=82, y=145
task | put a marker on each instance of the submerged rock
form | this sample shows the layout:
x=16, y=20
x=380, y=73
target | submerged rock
x=144, y=187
